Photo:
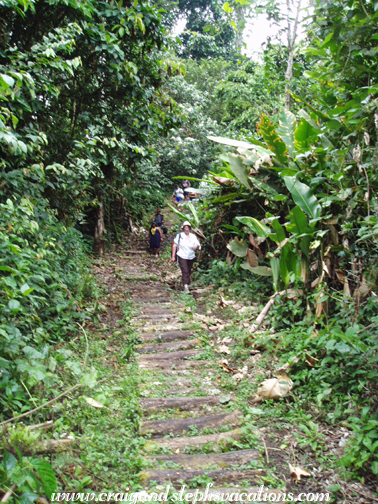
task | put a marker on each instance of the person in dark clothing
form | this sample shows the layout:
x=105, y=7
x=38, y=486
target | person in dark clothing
x=159, y=218
x=156, y=237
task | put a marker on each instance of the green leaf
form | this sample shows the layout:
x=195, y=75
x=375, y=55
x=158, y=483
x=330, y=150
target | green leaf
x=303, y=197
x=6, y=81
x=238, y=247
x=286, y=130
x=275, y=265
x=47, y=475
x=227, y=8
x=231, y=142
x=298, y=222
x=255, y=226
x=280, y=232
x=14, y=305
x=9, y=461
x=273, y=141
x=25, y=289
x=304, y=135
x=238, y=169
x=258, y=270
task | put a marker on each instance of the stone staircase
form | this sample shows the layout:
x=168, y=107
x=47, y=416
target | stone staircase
x=193, y=430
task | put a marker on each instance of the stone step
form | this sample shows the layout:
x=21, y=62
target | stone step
x=167, y=336
x=219, y=441
x=179, y=355
x=222, y=460
x=172, y=364
x=173, y=392
x=151, y=324
x=180, y=403
x=175, y=345
x=157, y=310
x=160, y=328
x=144, y=300
x=182, y=426
x=219, y=476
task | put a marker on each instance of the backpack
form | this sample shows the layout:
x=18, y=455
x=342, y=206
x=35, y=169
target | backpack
x=178, y=246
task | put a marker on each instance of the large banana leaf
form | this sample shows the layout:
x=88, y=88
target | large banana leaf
x=286, y=130
x=238, y=247
x=290, y=265
x=303, y=197
x=238, y=169
x=194, y=212
x=255, y=226
x=194, y=179
x=273, y=141
x=225, y=197
x=235, y=143
x=275, y=266
x=298, y=222
x=258, y=270
x=304, y=135
x=279, y=235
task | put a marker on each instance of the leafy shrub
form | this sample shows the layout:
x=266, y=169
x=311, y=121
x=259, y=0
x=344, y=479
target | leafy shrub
x=41, y=265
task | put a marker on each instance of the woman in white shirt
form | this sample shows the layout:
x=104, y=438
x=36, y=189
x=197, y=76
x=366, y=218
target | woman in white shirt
x=185, y=244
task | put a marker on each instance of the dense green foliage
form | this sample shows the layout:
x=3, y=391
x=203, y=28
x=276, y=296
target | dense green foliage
x=100, y=109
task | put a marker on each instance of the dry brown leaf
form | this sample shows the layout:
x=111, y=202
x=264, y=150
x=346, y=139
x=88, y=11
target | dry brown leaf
x=285, y=367
x=93, y=402
x=311, y=361
x=251, y=258
x=223, y=349
x=224, y=302
x=227, y=339
x=224, y=364
x=238, y=376
x=296, y=472
x=223, y=181
x=241, y=373
x=254, y=244
x=275, y=388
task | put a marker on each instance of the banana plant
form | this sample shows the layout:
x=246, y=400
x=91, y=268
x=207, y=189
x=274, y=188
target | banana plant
x=273, y=169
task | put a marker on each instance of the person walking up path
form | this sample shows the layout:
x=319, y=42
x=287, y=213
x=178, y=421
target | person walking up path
x=185, y=244
x=156, y=237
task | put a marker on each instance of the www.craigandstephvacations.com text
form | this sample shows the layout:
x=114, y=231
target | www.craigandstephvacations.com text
x=194, y=496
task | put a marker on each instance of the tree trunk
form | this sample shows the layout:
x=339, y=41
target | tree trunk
x=99, y=243
x=292, y=29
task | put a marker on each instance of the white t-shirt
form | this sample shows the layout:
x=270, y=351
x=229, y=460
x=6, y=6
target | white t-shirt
x=179, y=192
x=185, y=248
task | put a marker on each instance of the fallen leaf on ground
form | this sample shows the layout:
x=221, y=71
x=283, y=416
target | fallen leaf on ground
x=296, y=473
x=224, y=364
x=93, y=402
x=223, y=349
x=241, y=374
x=226, y=340
x=275, y=388
x=311, y=361
x=223, y=302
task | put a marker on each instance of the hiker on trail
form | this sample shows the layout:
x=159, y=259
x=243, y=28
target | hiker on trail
x=186, y=185
x=185, y=244
x=159, y=218
x=178, y=194
x=156, y=237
